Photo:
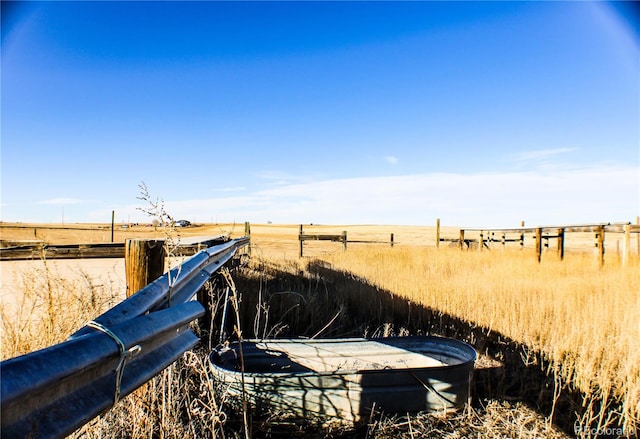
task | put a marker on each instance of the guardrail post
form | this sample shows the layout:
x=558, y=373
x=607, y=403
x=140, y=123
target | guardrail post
x=437, y=232
x=144, y=263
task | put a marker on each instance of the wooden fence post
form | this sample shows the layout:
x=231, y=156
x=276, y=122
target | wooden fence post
x=600, y=244
x=113, y=219
x=539, y=244
x=301, y=241
x=461, y=239
x=437, y=232
x=638, y=236
x=144, y=263
x=481, y=241
x=391, y=241
x=522, y=236
x=561, y=243
x=344, y=239
x=247, y=233
x=627, y=244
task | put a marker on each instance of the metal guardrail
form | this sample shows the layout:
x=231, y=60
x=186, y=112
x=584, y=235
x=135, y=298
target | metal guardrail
x=177, y=286
x=54, y=391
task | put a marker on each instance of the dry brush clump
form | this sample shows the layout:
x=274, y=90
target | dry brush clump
x=495, y=420
x=49, y=307
x=181, y=402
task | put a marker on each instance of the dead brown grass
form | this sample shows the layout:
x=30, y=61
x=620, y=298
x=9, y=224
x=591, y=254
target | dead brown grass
x=183, y=402
x=49, y=308
x=583, y=319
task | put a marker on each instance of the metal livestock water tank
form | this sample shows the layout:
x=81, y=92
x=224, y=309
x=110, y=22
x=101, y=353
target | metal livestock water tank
x=346, y=378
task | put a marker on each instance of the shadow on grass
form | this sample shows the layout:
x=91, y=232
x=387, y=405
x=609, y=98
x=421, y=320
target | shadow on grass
x=323, y=302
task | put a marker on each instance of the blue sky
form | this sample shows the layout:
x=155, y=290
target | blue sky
x=481, y=114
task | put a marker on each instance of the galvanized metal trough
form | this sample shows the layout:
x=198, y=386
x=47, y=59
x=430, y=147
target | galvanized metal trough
x=346, y=378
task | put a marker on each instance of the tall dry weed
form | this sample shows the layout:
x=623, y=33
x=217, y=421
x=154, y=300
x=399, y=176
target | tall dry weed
x=181, y=402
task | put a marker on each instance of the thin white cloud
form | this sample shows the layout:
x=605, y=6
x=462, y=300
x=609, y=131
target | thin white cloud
x=541, y=154
x=501, y=199
x=492, y=199
x=62, y=200
x=392, y=160
x=231, y=189
x=278, y=176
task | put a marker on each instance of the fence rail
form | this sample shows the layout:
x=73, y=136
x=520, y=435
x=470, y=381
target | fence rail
x=52, y=392
x=40, y=250
x=302, y=237
x=542, y=236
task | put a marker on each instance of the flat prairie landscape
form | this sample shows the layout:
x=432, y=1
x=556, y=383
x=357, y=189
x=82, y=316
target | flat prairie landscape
x=557, y=340
x=273, y=239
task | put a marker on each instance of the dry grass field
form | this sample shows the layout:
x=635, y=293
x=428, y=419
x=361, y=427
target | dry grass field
x=558, y=340
x=585, y=321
